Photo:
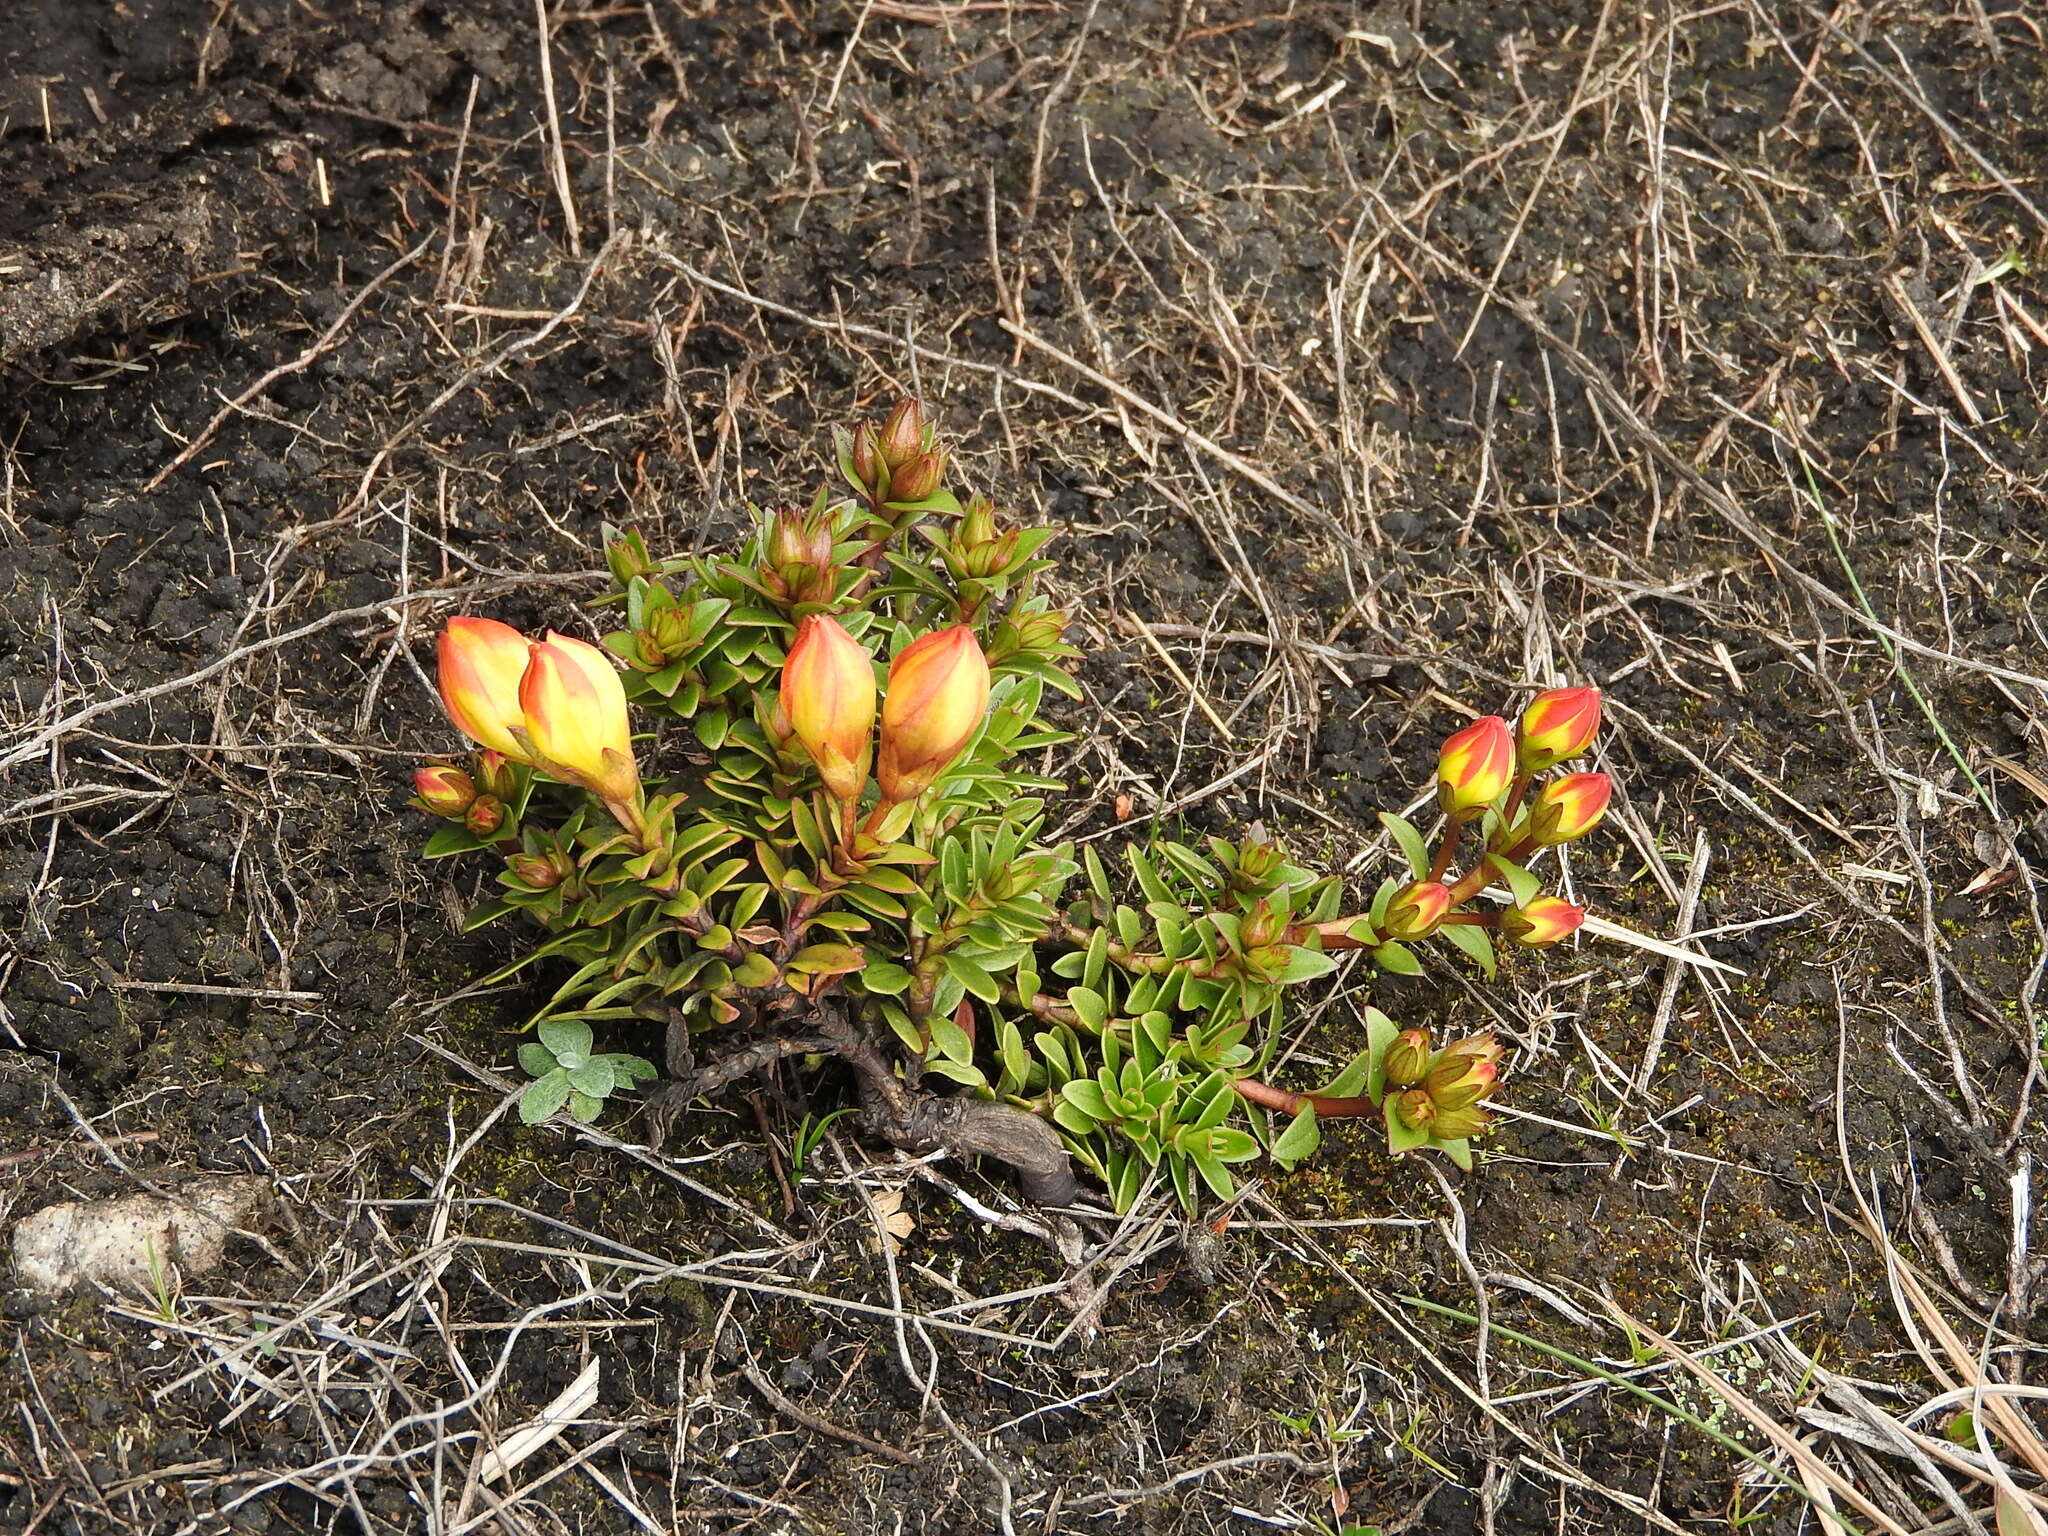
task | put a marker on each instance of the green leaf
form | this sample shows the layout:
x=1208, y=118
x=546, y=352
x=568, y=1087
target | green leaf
x=1072, y=1119
x=1413, y=849
x=1090, y=1006
x=1215, y=1175
x=828, y=958
x=1475, y=942
x=1402, y=1137
x=1304, y=965
x=543, y=1097
x=972, y=976
x=536, y=1059
x=584, y=1107
x=1358, y=1072
x=1380, y=1034
x=565, y=1037
x=594, y=1078
x=711, y=727
x=1458, y=1151
x=886, y=978
x=1302, y=1136
x=952, y=1041
x=1526, y=887
x=453, y=838
x=1087, y=1096
x=1396, y=960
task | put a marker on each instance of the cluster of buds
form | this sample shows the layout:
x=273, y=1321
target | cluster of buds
x=937, y=694
x=480, y=799
x=1438, y=1094
x=900, y=464
x=1489, y=767
x=555, y=704
x=797, y=567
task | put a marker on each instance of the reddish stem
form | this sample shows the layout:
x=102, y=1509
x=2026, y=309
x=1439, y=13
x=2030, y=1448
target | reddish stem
x=1266, y=1096
x=1454, y=823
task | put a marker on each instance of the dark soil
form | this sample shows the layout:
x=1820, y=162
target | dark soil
x=1739, y=260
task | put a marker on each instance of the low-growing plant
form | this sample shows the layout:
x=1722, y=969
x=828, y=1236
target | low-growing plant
x=788, y=807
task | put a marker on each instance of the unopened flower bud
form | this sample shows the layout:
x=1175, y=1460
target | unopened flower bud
x=867, y=462
x=1407, y=1059
x=1484, y=1047
x=977, y=524
x=444, y=790
x=1456, y=1082
x=938, y=693
x=1475, y=765
x=1257, y=863
x=1261, y=925
x=536, y=871
x=627, y=557
x=481, y=664
x=665, y=637
x=796, y=538
x=1457, y=1124
x=1414, y=1109
x=902, y=435
x=575, y=708
x=828, y=697
x=1416, y=910
x=917, y=479
x=485, y=816
x=1543, y=921
x=1568, y=808
x=495, y=774
x=1556, y=725
x=1039, y=631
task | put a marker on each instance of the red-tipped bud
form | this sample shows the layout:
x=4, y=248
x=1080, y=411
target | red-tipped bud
x=1416, y=910
x=918, y=478
x=444, y=790
x=495, y=774
x=1407, y=1059
x=1545, y=920
x=867, y=463
x=481, y=663
x=1474, y=1048
x=485, y=816
x=1475, y=765
x=535, y=871
x=1414, y=1109
x=828, y=696
x=1456, y=1082
x=938, y=692
x=902, y=435
x=575, y=709
x=1457, y=1124
x=1569, y=808
x=1557, y=725
x=796, y=538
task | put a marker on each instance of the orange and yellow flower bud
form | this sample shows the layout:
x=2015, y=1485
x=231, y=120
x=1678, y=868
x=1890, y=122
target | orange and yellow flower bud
x=1416, y=910
x=938, y=692
x=1568, y=808
x=1475, y=765
x=1557, y=725
x=1407, y=1059
x=575, y=717
x=481, y=663
x=1544, y=920
x=485, y=815
x=828, y=696
x=535, y=871
x=444, y=790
